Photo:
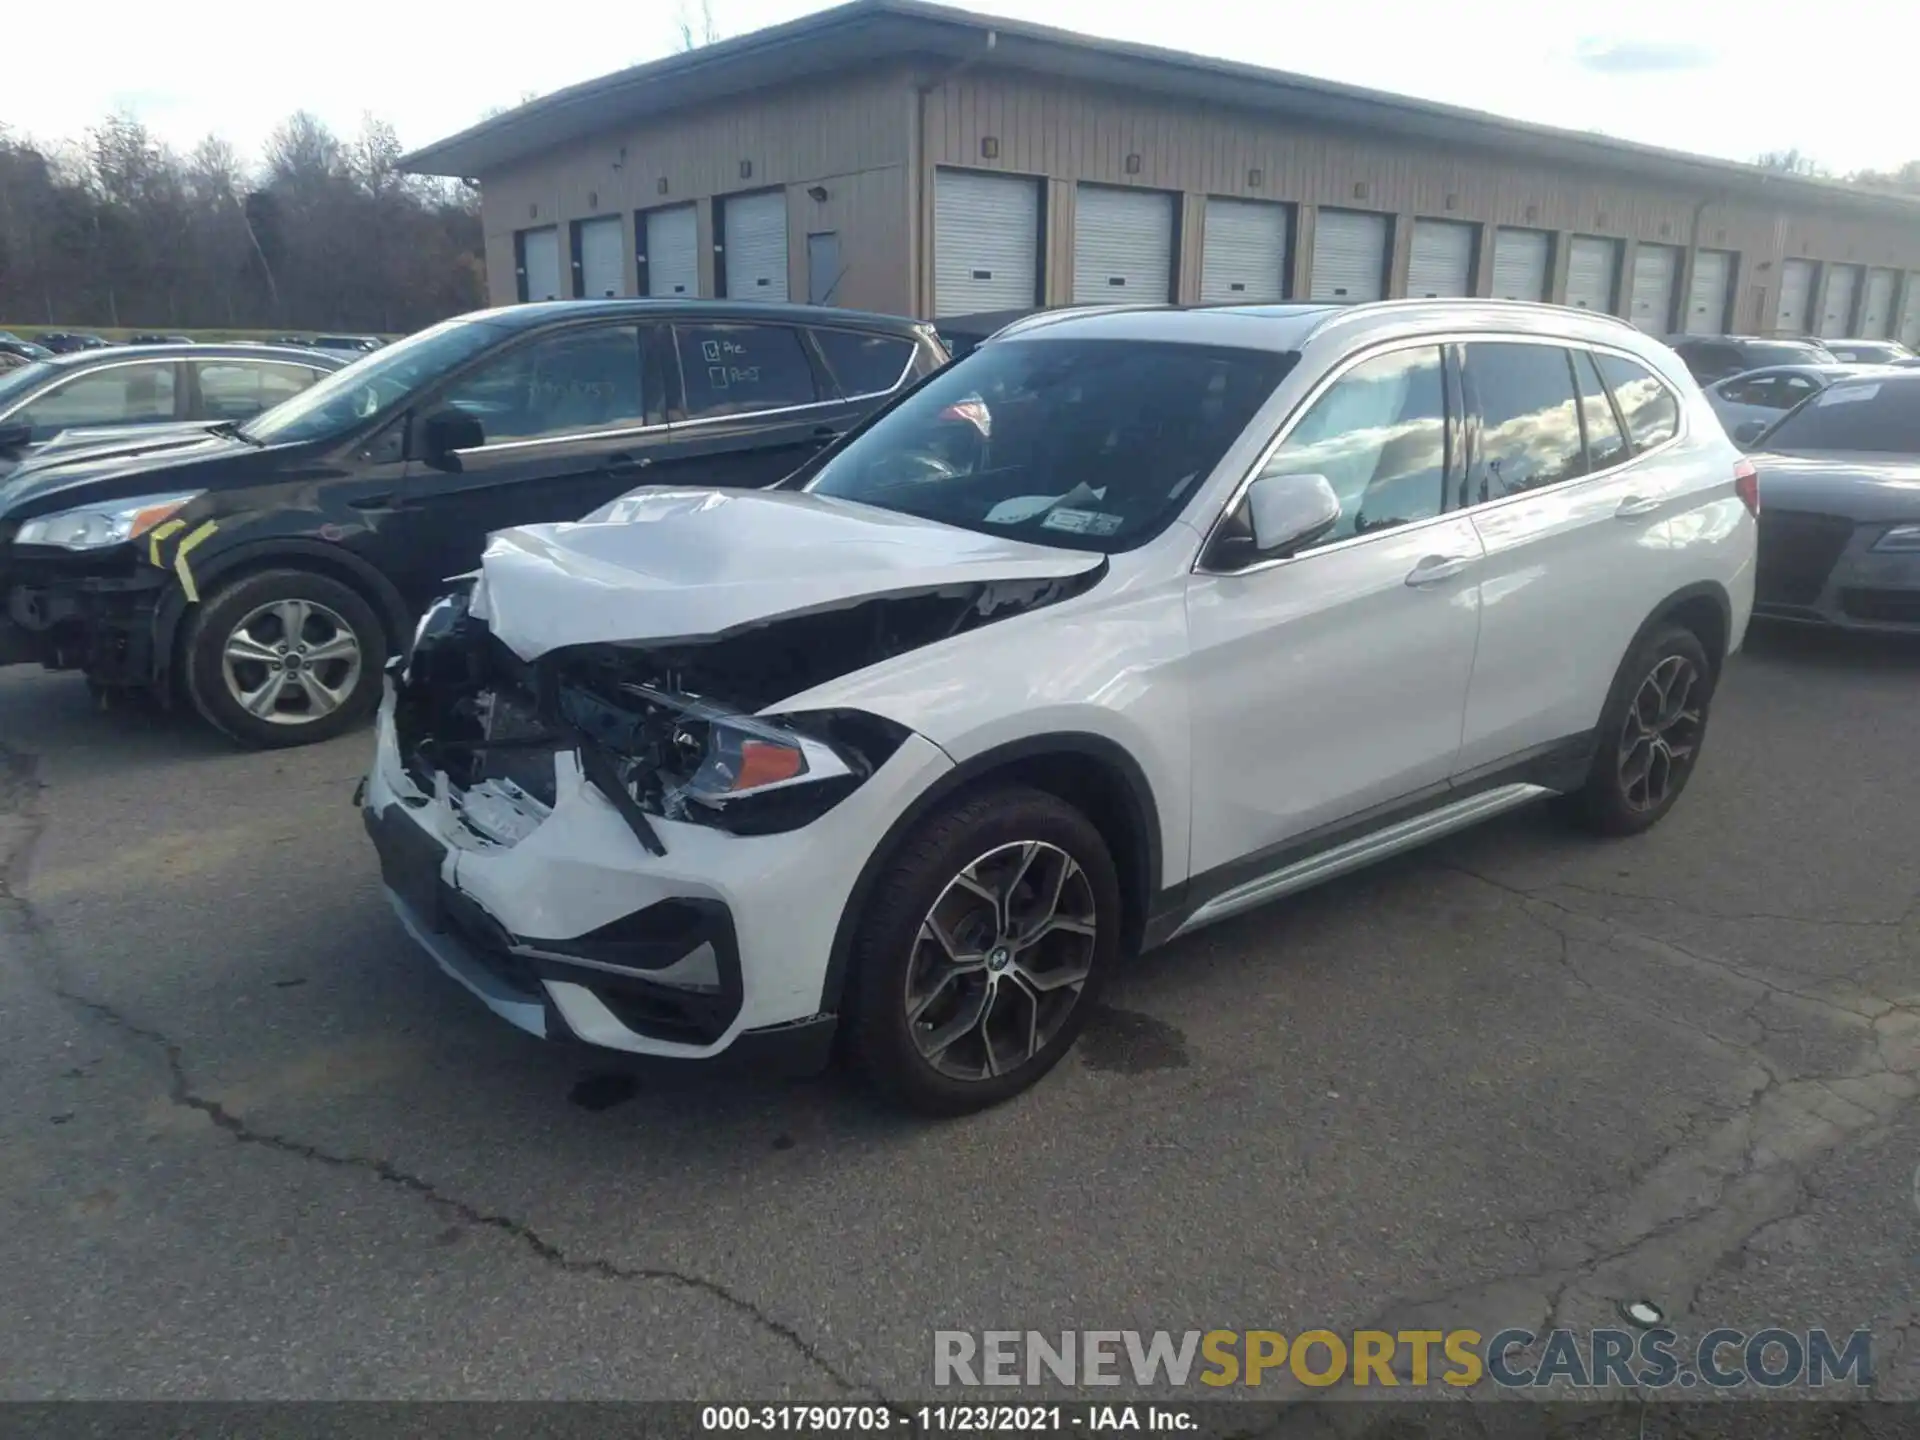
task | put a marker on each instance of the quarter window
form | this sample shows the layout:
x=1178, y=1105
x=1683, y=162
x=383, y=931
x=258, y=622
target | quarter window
x=1606, y=445
x=1652, y=413
x=1379, y=435
x=738, y=369
x=575, y=382
x=236, y=389
x=1529, y=433
x=117, y=395
x=864, y=364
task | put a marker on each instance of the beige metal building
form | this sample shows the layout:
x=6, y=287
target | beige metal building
x=911, y=158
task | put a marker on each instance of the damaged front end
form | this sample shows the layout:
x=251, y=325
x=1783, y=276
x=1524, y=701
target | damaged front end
x=676, y=732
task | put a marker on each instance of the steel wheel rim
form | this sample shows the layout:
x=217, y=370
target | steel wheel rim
x=999, y=960
x=291, y=662
x=1661, y=734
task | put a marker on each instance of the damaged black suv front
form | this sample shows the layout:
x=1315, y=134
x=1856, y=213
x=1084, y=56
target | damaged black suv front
x=600, y=798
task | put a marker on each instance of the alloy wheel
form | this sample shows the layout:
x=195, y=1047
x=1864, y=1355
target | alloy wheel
x=1660, y=735
x=1000, y=960
x=291, y=662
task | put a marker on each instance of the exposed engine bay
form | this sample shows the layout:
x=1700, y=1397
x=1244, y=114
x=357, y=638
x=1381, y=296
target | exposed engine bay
x=671, y=732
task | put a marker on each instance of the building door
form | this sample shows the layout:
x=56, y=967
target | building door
x=824, y=271
x=754, y=246
x=601, y=253
x=1122, y=246
x=670, y=254
x=1910, y=312
x=1349, y=256
x=1440, y=261
x=1796, y=298
x=1522, y=264
x=1656, y=269
x=1243, y=255
x=986, y=242
x=1836, y=315
x=1707, y=295
x=1876, y=316
x=540, y=264
x=1593, y=271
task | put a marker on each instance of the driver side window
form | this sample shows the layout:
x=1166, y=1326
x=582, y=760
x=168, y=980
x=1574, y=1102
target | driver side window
x=575, y=382
x=1379, y=435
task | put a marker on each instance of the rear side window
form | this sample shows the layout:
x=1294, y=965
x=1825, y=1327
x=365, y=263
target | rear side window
x=1651, y=411
x=1529, y=431
x=864, y=364
x=1606, y=445
x=739, y=369
x=239, y=389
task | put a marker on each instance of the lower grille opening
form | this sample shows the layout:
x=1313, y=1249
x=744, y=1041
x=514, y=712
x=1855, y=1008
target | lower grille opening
x=1889, y=607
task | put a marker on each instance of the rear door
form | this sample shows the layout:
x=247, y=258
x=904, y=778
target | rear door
x=754, y=402
x=572, y=418
x=1572, y=507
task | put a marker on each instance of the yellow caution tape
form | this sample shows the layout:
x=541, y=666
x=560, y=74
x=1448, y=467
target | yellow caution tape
x=156, y=535
x=180, y=559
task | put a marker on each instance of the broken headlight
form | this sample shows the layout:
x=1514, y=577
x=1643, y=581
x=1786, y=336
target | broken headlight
x=681, y=757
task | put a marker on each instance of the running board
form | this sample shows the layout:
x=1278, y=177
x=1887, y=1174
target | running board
x=1406, y=835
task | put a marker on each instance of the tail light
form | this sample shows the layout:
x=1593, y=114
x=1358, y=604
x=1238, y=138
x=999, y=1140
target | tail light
x=1746, y=484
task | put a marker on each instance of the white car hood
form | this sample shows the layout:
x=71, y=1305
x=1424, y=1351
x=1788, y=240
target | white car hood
x=663, y=565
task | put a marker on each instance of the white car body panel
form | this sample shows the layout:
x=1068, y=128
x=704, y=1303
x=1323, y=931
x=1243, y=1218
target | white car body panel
x=1259, y=707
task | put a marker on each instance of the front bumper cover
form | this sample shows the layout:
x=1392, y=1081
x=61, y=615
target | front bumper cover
x=1823, y=570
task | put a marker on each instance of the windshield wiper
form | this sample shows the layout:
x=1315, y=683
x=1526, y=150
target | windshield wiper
x=232, y=431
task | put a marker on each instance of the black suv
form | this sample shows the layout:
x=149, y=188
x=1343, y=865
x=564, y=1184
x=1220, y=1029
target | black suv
x=266, y=571
x=1716, y=357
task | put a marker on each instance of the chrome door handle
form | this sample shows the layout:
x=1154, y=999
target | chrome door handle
x=1434, y=568
x=1636, y=505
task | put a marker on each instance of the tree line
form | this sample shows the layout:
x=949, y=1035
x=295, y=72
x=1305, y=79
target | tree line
x=324, y=233
x=1903, y=181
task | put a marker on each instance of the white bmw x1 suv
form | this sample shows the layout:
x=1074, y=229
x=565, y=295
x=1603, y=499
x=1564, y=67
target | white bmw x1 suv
x=1127, y=622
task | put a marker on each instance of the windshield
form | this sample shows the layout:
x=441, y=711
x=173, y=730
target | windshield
x=1759, y=355
x=22, y=380
x=359, y=391
x=1086, y=444
x=1879, y=416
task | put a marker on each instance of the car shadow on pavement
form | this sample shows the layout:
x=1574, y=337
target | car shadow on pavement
x=1817, y=645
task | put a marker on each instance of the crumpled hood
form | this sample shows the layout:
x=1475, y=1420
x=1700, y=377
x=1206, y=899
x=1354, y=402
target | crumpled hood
x=668, y=565
x=1858, y=485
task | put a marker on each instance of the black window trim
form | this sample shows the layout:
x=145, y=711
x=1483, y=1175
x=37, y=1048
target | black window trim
x=1452, y=341
x=813, y=346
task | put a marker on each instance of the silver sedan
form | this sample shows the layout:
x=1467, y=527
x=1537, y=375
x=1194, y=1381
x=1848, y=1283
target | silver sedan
x=1764, y=395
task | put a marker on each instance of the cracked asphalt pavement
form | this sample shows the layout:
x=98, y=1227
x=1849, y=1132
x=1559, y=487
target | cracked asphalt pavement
x=256, y=1147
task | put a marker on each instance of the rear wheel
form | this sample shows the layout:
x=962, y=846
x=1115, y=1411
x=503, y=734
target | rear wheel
x=982, y=950
x=285, y=657
x=1650, y=735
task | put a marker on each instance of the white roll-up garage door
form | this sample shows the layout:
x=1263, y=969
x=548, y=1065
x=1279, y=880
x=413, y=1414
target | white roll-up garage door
x=673, y=252
x=754, y=253
x=1349, y=256
x=1796, y=298
x=1440, y=260
x=1521, y=264
x=603, y=258
x=1243, y=255
x=1122, y=246
x=1836, y=312
x=1876, y=315
x=540, y=255
x=986, y=242
x=1707, y=295
x=1909, y=331
x=1592, y=266
x=1656, y=269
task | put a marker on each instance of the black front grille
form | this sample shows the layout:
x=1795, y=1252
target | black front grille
x=1797, y=553
x=1888, y=607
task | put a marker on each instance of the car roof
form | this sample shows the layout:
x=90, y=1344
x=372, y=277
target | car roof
x=1828, y=369
x=544, y=312
x=1804, y=341
x=214, y=350
x=1292, y=326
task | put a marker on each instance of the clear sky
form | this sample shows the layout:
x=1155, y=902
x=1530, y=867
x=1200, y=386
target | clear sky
x=1724, y=77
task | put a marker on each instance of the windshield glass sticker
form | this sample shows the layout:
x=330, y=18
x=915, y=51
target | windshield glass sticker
x=1082, y=522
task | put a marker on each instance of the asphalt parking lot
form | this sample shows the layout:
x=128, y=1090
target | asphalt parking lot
x=257, y=1147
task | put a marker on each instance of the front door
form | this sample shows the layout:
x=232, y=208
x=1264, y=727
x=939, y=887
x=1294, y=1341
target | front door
x=1333, y=682
x=570, y=422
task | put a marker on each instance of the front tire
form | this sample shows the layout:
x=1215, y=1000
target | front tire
x=982, y=951
x=285, y=657
x=1650, y=735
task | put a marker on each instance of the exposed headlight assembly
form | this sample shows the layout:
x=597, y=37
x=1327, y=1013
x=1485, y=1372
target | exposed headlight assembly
x=111, y=522
x=1901, y=538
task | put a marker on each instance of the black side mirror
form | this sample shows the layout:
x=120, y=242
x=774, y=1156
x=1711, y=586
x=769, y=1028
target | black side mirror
x=445, y=433
x=15, y=437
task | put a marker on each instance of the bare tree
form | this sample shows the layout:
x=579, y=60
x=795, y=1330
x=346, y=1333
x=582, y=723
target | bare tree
x=693, y=20
x=1790, y=162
